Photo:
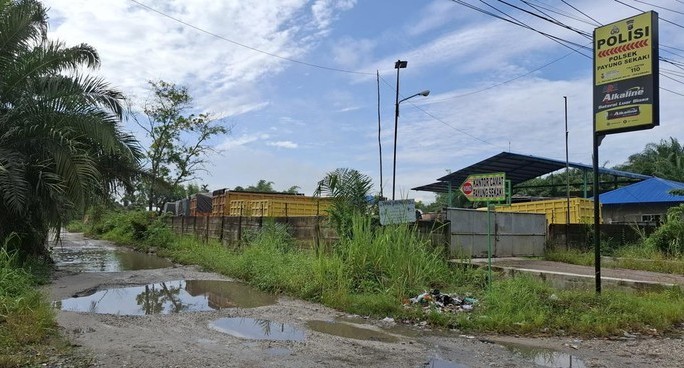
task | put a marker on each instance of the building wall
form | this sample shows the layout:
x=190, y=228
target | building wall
x=637, y=213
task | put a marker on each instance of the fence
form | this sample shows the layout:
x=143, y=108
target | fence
x=309, y=231
x=511, y=234
x=581, y=236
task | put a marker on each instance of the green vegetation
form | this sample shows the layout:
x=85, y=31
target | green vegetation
x=663, y=251
x=349, y=190
x=524, y=305
x=61, y=144
x=28, y=333
x=669, y=238
x=265, y=186
x=664, y=159
x=180, y=142
x=376, y=270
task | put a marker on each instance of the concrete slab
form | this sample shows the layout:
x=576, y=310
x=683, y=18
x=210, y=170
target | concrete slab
x=564, y=275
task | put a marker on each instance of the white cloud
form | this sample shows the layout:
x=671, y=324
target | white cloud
x=324, y=11
x=348, y=52
x=283, y=144
x=231, y=143
x=138, y=44
x=435, y=15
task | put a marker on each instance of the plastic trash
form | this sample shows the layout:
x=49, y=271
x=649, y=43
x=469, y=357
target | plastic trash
x=469, y=300
x=437, y=301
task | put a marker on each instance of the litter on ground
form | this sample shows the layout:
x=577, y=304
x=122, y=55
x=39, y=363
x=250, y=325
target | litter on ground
x=443, y=302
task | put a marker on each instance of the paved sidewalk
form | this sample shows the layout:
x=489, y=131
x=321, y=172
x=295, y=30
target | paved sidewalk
x=558, y=269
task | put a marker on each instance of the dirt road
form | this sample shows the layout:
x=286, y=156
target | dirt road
x=187, y=339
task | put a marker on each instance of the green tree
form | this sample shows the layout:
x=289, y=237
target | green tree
x=293, y=189
x=664, y=160
x=261, y=186
x=61, y=145
x=180, y=141
x=265, y=186
x=458, y=200
x=349, y=189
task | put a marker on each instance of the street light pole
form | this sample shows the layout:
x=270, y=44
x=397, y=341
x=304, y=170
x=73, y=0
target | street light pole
x=398, y=65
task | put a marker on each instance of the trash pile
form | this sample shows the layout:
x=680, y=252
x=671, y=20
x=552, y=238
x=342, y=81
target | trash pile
x=443, y=302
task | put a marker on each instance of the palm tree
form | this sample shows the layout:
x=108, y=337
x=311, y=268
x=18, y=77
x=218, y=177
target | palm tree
x=61, y=145
x=664, y=159
x=349, y=190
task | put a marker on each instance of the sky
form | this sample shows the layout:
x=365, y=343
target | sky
x=296, y=83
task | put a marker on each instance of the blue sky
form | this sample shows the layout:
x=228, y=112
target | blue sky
x=494, y=86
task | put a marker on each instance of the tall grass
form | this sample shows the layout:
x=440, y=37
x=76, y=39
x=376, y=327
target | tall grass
x=524, y=305
x=375, y=269
x=26, y=318
x=371, y=272
x=392, y=259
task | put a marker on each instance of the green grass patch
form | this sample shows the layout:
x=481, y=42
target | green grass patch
x=632, y=257
x=524, y=305
x=76, y=226
x=28, y=332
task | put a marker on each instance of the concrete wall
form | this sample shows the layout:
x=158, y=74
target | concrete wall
x=632, y=213
x=308, y=231
x=512, y=234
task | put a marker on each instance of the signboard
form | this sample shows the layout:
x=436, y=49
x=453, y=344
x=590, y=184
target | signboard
x=485, y=187
x=626, y=75
x=397, y=212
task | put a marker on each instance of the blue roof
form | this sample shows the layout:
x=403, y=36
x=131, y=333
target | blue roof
x=648, y=191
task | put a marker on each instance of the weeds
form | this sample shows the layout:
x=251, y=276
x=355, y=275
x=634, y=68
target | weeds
x=375, y=269
x=26, y=319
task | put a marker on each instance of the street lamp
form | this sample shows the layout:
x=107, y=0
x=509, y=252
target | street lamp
x=400, y=65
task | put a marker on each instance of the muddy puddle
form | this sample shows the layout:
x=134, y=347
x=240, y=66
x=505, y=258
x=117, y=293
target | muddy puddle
x=440, y=363
x=258, y=329
x=168, y=297
x=545, y=357
x=97, y=257
x=349, y=330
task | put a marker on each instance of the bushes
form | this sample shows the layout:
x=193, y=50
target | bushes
x=139, y=228
x=669, y=238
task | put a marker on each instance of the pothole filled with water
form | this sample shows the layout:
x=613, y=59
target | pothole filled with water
x=349, y=330
x=545, y=357
x=257, y=329
x=103, y=258
x=168, y=297
x=440, y=363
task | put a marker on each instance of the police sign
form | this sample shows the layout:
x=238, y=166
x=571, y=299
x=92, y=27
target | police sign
x=626, y=75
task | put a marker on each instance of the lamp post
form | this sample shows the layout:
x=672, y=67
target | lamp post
x=399, y=65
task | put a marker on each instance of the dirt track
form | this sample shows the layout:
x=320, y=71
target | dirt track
x=186, y=340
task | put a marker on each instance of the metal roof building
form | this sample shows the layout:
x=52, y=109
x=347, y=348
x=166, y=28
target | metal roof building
x=645, y=202
x=653, y=190
x=518, y=168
